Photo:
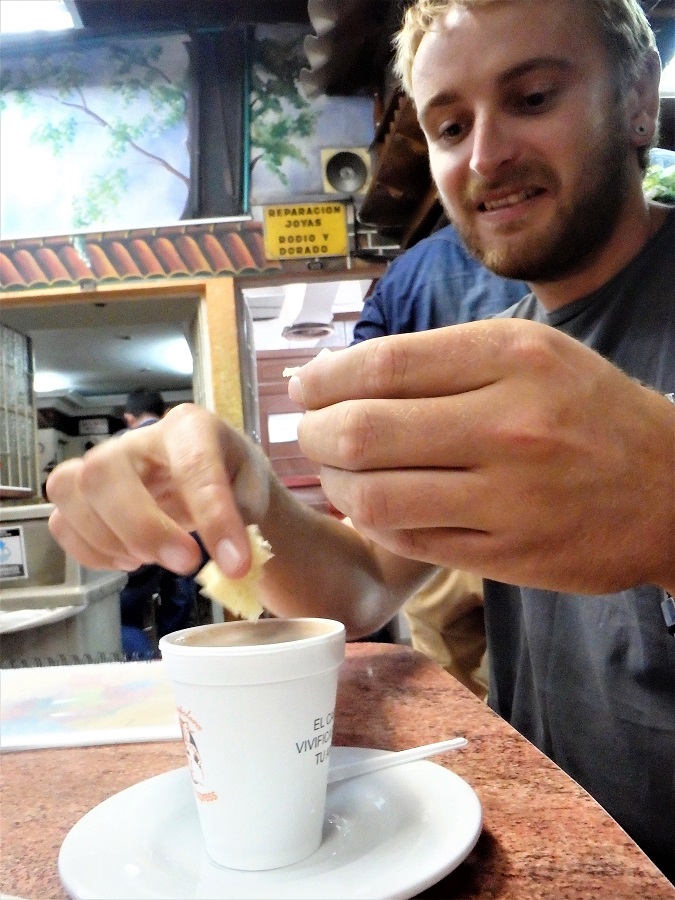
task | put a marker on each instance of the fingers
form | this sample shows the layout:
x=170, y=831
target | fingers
x=220, y=479
x=446, y=432
x=135, y=499
x=107, y=516
x=86, y=550
x=413, y=498
x=443, y=361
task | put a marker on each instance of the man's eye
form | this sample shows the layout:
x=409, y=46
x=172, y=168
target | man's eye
x=451, y=130
x=536, y=100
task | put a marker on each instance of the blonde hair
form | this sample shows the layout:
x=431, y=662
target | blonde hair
x=622, y=25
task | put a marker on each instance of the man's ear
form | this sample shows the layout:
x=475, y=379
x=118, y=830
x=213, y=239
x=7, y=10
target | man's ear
x=642, y=102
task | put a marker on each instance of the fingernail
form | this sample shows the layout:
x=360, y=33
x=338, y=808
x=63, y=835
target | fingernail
x=228, y=557
x=176, y=558
x=295, y=390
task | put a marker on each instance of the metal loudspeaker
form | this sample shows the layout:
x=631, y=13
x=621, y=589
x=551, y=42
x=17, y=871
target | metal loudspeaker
x=345, y=170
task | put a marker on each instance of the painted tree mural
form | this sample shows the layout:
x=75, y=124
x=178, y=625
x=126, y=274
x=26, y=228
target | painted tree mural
x=279, y=113
x=133, y=100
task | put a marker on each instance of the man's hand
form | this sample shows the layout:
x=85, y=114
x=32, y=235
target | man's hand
x=502, y=447
x=135, y=499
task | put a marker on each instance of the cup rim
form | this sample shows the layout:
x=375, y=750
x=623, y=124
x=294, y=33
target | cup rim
x=331, y=628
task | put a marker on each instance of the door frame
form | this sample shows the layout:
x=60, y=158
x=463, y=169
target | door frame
x=217, y=380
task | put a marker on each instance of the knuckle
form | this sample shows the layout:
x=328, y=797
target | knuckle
x=411, y=543
x=528, y=432
x=368, y=502
x=384, y=366
x=92, y=470
x=534, y=346
x=356, y=437
x=56, y=485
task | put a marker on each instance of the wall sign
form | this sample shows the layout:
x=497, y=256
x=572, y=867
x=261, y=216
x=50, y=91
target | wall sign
x=305, y=230
x=12, y=553
x=93, y=426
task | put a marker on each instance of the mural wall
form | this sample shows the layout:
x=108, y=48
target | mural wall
x=287, y=131
x=100, y=153
x=94, y=137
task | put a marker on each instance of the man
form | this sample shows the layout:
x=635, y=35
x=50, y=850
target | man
x=143, y=407
x=505, y=447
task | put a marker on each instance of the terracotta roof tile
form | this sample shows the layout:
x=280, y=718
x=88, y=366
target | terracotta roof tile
x=100, y=264
x=188, y=248
x=9, y=275
x=171, y=252
x=146, y=259
x=52, y=266
x=28, y=267
x=216, y=255
x=122, y=260
x=256, y=244
x=78, y=269
x=238, y=252
x=169, y=257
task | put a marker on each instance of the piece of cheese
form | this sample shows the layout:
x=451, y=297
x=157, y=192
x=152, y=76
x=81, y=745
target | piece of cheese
x=238, y=595
x=290, y=370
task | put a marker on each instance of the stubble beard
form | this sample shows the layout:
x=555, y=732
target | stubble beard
x=581, y=227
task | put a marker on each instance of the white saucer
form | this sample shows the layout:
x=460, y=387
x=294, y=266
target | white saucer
x=387, y=835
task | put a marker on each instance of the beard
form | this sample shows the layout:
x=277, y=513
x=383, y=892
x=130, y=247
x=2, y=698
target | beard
x=581, y=227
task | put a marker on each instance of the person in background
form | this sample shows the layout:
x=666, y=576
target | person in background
x=535, y=448
x=152, y=591
x=435, y=283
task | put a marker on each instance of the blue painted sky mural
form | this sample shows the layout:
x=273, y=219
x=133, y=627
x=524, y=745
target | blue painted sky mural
x=94, y=138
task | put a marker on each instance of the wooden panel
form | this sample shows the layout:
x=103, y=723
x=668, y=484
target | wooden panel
x=219, y=296
x=300, y=474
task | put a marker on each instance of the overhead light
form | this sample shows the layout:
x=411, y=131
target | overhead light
x=307, y=331
x=19, y=16
x=46, y=382
x=177, y=356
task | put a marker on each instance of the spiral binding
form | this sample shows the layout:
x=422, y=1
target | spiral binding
x=75, y=660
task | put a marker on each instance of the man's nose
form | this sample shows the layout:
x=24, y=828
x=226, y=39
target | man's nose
x=493, y=143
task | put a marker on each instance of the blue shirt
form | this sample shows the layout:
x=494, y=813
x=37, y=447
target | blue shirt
x=436, y=282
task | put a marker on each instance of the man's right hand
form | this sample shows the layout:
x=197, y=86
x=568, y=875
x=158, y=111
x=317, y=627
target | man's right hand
x=135, y=499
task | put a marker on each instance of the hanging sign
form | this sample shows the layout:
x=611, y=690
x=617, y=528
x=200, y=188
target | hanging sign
x=305, y=230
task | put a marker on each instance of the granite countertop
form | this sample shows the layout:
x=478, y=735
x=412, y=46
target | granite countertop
x=543, y=836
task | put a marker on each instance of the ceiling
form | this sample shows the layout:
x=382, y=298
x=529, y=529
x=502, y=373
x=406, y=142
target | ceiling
x=107, y=349
x=104, y=350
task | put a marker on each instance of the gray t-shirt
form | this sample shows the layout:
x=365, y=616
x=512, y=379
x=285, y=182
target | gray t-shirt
x=591, y=680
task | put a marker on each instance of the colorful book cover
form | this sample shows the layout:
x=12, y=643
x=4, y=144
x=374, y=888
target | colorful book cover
x=80, y=705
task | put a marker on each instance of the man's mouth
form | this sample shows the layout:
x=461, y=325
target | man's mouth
x=509, y=200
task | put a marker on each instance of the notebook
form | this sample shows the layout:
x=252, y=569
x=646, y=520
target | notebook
x=82, y=705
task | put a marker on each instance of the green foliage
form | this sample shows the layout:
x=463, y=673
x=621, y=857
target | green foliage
x=659, y=184
x=101, y=196
x=279, y=113
x=58, y=137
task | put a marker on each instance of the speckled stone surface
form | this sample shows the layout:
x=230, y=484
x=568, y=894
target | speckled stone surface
x=543, y=836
